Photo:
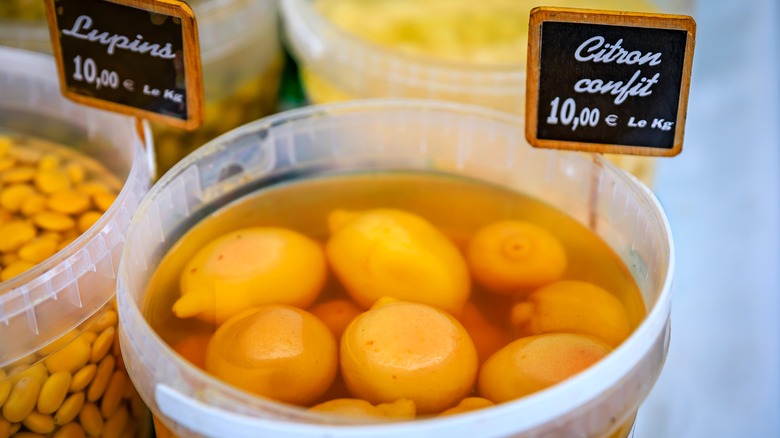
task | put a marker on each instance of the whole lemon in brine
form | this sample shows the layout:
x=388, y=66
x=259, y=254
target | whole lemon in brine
x=572, y=306
x=353, y=407
x=393, y=253
x=402, y=350
x=251, y=267
x=276, y=351
x=514, y=257
x=533, y=363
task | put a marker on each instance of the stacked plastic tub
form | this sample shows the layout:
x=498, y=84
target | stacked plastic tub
x=386, y=136
x=240, y=54
x=61, y=369
x=349, y=49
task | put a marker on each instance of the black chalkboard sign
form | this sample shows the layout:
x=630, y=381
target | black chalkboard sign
x=608, y=81
x=138, y=57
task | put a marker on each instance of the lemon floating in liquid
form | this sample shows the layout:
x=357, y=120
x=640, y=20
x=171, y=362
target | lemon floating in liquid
x=251, y=267
x=533, y=363
x=403, y=350
x=393, y=253
x=275, y=351
x=513, y=257
x=572, y=306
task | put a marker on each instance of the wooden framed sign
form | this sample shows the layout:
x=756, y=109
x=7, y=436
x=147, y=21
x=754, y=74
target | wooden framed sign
x=138, y=57
x=613, y=82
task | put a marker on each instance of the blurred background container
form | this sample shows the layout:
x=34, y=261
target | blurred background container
x=58, y=318
x=240, y=54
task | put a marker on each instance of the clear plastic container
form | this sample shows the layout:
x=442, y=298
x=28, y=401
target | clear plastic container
x=242, y=65
x=399, y=135
x=338, y=65
x=63, y=309
x=240, y=54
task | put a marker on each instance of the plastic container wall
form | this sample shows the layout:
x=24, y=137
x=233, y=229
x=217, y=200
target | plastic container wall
x=392, y=135
x=45, y=310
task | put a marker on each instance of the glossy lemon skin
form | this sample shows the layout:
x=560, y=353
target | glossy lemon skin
x=397, y=254
x=534, y=363
x=573, y=306
x=513, y=257
x=251, y=267
x=276, y=351
x=402, y=350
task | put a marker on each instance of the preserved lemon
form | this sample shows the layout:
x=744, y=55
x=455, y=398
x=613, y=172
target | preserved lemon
x=397, y=254
x=513, y=257
x=275, y=351
x=251, y=267
x=402, y=350
x=573, y=306
x=533, y=363
x=400, y=409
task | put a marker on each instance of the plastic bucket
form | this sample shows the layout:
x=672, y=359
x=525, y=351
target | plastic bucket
x=391, y=135
x=52, y=315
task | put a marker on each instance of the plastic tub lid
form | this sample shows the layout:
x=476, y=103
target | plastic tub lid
x=63, y=291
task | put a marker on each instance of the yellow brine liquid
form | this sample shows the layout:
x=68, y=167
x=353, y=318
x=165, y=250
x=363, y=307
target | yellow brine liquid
x=391, y=295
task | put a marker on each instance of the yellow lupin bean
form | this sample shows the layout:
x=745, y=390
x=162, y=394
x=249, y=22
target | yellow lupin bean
x=37, y=372
x=74, y=356
x=90, y=419
x=50, y=181
x=5, y=428
x=51, y=235
x=37, y=250
x=49, y=162
x=14, y=234
x=76, y=173
x=88, y=219
x=92, y=188
x=5, y=389
x=12, y=197
x=66, y=241
x=102, y=345
x=5, y=216
x=5, y=145
x=58, y=343
x=109, y=318
x=103, y=200
x=33, y=205
x=114, y=392
x=17, y=175
x=26, y=155
x=53, y=393
x=52, y=221
x=70, y=408
x=39, y=423
x=28, y=435
x=68, y=202
x=89, y=336
x=21, y=401
x=82, y=378
x=104, y=371
x=14, y=269
x=115, y=425
x=6, y=163
x=70, y=430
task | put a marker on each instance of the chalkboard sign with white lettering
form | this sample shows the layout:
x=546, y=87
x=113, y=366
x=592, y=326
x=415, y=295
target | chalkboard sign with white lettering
x=608, y=81
x=138, y=57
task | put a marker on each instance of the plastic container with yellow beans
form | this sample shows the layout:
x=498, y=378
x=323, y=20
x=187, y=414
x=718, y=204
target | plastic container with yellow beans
x=57, y=271
x=458, y=50
x=380, y=137
x=240, y=54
